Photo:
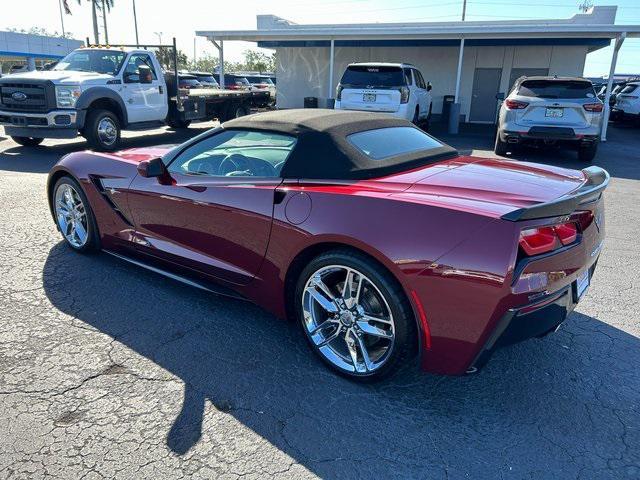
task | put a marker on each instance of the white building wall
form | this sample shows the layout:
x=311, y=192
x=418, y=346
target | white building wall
x=304, y=72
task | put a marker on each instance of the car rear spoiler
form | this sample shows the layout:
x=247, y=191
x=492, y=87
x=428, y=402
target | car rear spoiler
x=596, y=181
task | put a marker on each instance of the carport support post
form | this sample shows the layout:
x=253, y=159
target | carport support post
x=331, y=60
x=454, y=113
x=220, y=48
x=607, y=95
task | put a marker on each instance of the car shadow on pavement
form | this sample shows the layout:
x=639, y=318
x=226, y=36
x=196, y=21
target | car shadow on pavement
x=40, y=159
x=556, y=407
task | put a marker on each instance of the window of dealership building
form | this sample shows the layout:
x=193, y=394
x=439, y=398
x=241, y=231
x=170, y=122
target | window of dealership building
x=471, y=61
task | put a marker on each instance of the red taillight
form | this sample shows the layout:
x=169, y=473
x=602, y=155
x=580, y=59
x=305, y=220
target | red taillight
x=539, y=240
x=593, y=107
x=515, y=104
x=404, y=94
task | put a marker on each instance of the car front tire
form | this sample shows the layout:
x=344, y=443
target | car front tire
x=365, y=330
x=102, y=130
x=74, y=216
x=27, y=141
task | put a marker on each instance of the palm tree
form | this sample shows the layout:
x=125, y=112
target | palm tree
x=104, y=6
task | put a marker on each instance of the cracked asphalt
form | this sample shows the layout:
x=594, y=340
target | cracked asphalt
x=109, y=371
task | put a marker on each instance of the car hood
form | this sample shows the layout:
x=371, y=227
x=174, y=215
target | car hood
x=60, y=76
x=137, y=155
x=492, y=186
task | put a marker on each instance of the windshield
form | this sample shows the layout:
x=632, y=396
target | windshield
x=382, y=76
x=99, y=61
x=556, y=89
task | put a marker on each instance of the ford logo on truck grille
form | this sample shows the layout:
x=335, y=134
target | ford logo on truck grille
x=19, y=96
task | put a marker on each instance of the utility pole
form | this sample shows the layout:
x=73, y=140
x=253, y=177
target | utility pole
x=135, y=22
x=194, y=52
x=464, y=9
x=104, y=22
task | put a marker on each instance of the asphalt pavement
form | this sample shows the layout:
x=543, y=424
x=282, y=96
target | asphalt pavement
x=110, y=371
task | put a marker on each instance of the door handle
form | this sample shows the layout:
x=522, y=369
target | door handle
x=160, y=89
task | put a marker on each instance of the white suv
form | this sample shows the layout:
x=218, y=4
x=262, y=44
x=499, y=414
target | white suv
x=395, y=88
x=627, y=102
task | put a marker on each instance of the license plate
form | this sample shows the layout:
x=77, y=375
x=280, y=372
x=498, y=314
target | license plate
x=554, y=112
x=369, y=97
x=582, y=282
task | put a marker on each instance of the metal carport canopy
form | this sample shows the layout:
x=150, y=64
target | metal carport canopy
x=589, y=29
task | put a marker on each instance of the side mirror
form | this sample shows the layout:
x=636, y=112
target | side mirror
x=145, y=74
x=151, y=168
x=500, y=96
x=429, y=86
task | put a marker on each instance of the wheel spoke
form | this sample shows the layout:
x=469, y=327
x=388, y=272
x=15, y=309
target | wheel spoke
x=353, y=351
x=325, y=303
x=331, y=337
x=327, y=323
x=353, y=281
x=364, y=352
x=369, y=329
x=369, y=318
x=81, y=232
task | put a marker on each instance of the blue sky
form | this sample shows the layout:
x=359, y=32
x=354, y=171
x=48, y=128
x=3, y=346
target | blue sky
x=181, y=18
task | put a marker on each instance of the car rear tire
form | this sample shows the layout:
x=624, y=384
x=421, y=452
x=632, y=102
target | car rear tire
x=27, y=141
x=364, y=332
x=102, y=130
x=587, y=153
x=500, y=147
x=74, y=217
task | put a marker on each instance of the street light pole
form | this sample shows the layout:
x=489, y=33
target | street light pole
x=135, y=23
x=464, y=9
x=159, y=34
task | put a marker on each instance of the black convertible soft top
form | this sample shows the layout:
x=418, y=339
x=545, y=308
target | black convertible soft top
x=322, y=150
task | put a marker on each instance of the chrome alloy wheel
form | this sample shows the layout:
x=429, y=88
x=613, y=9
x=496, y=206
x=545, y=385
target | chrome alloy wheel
x=71, y=215
x=107, y=131
x=348, y=319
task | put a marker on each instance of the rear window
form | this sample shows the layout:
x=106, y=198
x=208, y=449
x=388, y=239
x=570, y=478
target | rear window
x=260, y=80
x=628, y=89
x=383, y=143
x=382, y=76
x=556, y=89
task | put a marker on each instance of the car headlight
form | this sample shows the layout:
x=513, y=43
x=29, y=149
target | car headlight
x=66, y=97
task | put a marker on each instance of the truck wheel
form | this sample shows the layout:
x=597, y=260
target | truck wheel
x=239, y=111
x=27, y=141
x=178, y=124
x=500, y=147
x=102, y=130
x=587, y=153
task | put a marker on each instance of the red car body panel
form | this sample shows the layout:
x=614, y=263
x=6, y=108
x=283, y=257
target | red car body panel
x=437, y=229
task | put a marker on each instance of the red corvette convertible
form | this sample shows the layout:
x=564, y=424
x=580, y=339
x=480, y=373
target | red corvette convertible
x=379, y=240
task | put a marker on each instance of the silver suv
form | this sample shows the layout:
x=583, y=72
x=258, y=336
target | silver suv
x=551, y=110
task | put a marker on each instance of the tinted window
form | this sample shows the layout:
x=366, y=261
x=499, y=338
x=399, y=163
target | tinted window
x=407, y=76
x=420, y=79
x=556, y=89
x=375, y=76
x=236, y=153
x=189, y=82
x=628, y=89
x=260, y=80
x=99, y=61
x=207, y=78
x=383, y=143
